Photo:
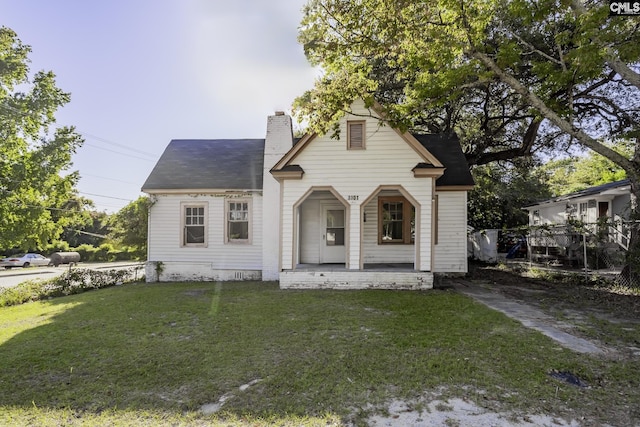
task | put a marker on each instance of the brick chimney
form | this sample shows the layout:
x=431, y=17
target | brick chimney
x=278, y=142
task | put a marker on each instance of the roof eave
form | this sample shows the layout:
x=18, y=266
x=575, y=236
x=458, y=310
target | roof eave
x=429, y=172
x=454, y=187
x=199, y=190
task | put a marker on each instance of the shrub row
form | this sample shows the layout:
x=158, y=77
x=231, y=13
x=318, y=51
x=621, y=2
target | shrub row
x=74, y=281
x=103, y=253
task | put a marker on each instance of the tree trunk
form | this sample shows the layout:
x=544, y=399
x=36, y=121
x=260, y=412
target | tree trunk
x=632, y=269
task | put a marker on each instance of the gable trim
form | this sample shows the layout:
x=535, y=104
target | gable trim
x=293, y=152
x=377, y=107
x=410, y=139
x=419, y=148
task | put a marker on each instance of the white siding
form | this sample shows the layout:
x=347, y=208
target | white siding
x=165, y=231
x=355, y=175
x=450, y=253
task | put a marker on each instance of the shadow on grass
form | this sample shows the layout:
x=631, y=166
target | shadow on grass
x=171, y=348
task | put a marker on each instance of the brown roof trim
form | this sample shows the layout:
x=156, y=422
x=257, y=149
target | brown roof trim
x=426, y=172
x=410, y=139
x=419, y=148
x=288, y=173
x=454, y=187
x=293, y=152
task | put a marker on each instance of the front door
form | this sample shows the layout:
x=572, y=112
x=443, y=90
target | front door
x=333, y=233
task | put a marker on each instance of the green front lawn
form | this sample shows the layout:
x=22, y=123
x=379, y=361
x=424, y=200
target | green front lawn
x=154, y=354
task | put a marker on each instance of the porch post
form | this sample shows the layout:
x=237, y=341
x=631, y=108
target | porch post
x=353, y=250
x=424, y=239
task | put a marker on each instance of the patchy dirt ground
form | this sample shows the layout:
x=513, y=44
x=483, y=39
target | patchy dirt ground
x=597, y=311
x=459, y=413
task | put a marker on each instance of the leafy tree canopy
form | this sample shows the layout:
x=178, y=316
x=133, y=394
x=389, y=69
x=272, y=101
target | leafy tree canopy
x=575, y=173
x=501, y=191
x=512, y=68
x=555, y=72
x=129, y=224
x=35, y=183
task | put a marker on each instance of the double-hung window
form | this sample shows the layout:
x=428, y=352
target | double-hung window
x=396, y=220
x=238, y=227
x=194, y=220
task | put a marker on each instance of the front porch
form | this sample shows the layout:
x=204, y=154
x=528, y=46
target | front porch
x=372, y=276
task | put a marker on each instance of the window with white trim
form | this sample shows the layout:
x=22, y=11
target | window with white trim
x=194, y=225
x=355, y=135
x=238, y=227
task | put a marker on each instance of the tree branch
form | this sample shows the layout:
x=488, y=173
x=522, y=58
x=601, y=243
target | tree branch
x=552, y=116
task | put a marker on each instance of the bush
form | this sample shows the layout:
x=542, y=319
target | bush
x=87, y=252
x=74, y=281
x=104, y=252
x=57, y=246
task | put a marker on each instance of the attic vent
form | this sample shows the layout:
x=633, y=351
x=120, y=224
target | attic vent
x=238, y=275
x=355, y=135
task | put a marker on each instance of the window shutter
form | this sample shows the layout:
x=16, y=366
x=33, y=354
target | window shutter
x=356, y=137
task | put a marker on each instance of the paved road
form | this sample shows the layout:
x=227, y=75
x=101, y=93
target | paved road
x=15, y=276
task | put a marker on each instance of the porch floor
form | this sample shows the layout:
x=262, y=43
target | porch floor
x=369, y=267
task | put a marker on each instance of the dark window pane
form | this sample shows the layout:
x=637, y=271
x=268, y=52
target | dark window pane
x=335, y=237
x=238, y=230
x=194, y=234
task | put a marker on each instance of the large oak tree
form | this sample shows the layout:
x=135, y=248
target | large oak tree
x=516, y=75
x=35, y=182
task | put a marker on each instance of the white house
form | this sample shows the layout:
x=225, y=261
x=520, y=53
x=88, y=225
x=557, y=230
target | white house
x=376, y=208
x=611, y=201
x=604, y=208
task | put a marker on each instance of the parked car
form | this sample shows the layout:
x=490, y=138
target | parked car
x=24, y=260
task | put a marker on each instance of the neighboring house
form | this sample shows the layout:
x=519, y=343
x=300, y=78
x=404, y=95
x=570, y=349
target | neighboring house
x=602, y=209
x=376, y=208
x=611, y=201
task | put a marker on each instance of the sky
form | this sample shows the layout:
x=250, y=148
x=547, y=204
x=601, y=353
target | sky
x=144, y=72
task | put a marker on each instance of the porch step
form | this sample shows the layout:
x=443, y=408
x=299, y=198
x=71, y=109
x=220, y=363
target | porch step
x=356, y=279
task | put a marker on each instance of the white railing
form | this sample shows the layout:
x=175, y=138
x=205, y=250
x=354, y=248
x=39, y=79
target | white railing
x=620, y=236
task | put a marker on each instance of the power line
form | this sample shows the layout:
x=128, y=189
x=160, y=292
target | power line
x=108, y=197
x=88, y=135
x=110, y=179
x=118, y=152
x=106, y=141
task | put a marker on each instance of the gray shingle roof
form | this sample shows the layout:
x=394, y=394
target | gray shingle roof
x=591, y=191
x=234, y=164
x=446, y=148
